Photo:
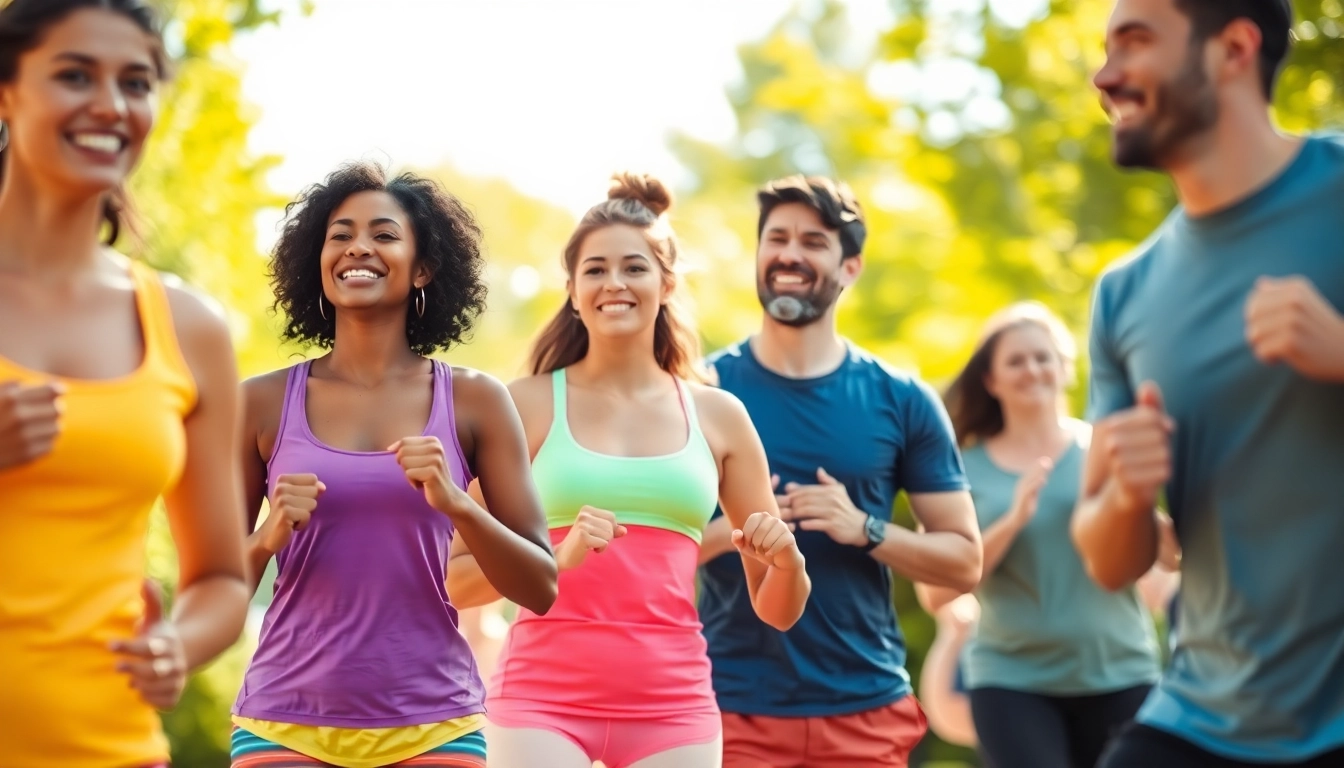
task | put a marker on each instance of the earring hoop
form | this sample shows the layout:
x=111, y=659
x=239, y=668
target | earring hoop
x=4, y=135
x=320, y=309
x=420, y=303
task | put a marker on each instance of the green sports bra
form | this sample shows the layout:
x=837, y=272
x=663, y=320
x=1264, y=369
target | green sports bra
x=676, y=491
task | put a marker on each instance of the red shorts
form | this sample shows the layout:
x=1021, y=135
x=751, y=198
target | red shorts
x=877, y=738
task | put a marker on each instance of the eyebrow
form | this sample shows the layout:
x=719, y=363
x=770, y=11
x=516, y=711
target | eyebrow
x=1130, y=26
x=374, y=223
x=89, y=61
x=626, y=257
x=806, y=233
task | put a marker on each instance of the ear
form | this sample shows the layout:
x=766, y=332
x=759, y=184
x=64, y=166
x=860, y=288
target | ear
x=1239, y=54
x=423, y=276
x=850, y=269
x=988, y=381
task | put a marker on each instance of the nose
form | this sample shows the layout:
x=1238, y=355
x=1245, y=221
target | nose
x=109, y=103
x=358, y=248
x=791, y=254
x=1107, y=78
x=615, y=281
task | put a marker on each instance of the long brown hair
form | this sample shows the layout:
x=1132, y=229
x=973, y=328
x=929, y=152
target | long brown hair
x=639, y=201
x=976, y=414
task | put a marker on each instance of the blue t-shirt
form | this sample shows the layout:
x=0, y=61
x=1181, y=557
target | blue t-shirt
x=877, y=431
x=1257, y=490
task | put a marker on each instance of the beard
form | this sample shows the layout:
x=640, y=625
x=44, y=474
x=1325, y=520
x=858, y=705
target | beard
x=1186, y=106
x=798, y=309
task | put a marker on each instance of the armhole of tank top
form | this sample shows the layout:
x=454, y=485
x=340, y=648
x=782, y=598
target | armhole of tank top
x=443, y=384
x=297, y=377
x=155, y=313
x=559, y=406
x=695, y=432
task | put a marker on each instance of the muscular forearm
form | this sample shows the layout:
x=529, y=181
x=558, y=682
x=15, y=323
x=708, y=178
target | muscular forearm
x=467, y=585
x=936, y=558
x=781, y=595
x=717, y=539
x=522, y=571
x=209, y=614
x=1117, y=543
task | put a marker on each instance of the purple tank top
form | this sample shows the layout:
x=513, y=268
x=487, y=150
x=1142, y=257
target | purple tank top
x=360, y=633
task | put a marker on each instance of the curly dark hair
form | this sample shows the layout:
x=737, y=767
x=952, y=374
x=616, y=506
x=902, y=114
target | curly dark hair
x=447, y=241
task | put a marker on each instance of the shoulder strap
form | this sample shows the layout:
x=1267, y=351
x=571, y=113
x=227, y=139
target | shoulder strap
x=162, y=348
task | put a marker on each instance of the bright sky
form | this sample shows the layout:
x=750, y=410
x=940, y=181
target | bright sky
x=552, y=95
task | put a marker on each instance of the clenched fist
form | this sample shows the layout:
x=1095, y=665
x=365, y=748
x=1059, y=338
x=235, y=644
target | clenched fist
x=768, y=539
x=292, y=505
x=30, y=420
x=592, y=531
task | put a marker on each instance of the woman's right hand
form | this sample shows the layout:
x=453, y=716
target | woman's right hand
x=292, y=505
x=30, y=420
x=1028, y=490
x=592, y=531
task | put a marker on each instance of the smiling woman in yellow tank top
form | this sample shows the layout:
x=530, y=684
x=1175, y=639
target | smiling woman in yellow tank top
x=119, y=391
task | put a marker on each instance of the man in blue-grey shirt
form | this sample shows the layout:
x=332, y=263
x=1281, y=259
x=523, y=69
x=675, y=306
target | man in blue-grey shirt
x=1218, y=377
x=844, y=433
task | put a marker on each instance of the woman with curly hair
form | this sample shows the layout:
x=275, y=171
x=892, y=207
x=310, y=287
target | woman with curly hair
x=117, y=388
x=365, y=455
x=630, y=454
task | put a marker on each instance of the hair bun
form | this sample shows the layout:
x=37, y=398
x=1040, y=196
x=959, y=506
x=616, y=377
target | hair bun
x=643, y=188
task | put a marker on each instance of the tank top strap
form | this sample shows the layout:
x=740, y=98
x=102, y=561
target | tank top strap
x=443, y=415
x=695, y=434
x=560, y=396
x=163, y=352
x=294, y=410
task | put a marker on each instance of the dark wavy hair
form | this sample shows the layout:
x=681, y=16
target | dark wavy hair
x=447, y=241
x=833, y=201
x=976, y=414
x=22, y=26
x=1273, y=17
x=638, y=201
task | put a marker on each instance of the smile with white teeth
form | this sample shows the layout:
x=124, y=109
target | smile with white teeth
x=98, y=142
x=789, y=279
x=1124, y=111
x=360, y=273
x=615, y=307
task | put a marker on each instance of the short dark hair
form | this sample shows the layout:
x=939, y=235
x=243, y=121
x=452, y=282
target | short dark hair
x=447, y=241
x=833, y=201
x=23, y=23
x=1273, y=17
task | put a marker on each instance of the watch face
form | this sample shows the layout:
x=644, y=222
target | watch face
x=876, y=529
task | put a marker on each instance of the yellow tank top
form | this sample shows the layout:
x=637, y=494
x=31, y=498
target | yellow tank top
x=72, y=556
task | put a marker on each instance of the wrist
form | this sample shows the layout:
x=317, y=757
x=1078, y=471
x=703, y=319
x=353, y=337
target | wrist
x=872, y=532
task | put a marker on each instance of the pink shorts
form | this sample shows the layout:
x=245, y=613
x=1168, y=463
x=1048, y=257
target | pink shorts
x=619, y=742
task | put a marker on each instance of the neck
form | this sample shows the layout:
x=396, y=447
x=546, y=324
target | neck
x=804, y=352
x=46, y=234
x=623, y=364
x=1239, y=155
x=1034, y=426
x=369, y=352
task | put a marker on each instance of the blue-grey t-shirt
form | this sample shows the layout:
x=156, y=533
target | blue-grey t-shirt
x=1257, y=492
x=877, y=431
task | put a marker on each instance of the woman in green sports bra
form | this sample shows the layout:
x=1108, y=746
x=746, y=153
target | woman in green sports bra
x=630, y=456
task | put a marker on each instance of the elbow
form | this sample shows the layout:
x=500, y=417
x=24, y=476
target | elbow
x=1109, y=579
x=544, y=594
x=967, y=577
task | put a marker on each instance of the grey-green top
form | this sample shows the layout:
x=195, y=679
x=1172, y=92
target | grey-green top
x=1045, y=627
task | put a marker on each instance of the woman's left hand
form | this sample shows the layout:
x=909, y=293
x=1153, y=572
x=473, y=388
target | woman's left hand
x=426, y=467
x=768, y=539
x=155, y=659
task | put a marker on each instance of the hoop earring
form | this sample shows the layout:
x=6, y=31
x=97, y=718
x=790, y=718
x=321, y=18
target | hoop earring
x=4, y=135
x=420, y=303
x=320, y=309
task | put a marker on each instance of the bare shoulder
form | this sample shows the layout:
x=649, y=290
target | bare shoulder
x=478, y=387
x=198, y=318
x=716, y=403
x=266, y=391
x=532, y=393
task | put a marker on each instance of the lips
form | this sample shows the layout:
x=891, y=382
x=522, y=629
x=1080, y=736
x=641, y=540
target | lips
x=789, y=278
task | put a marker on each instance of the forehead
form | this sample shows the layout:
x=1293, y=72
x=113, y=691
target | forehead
x=365, y=206
x=1026, y=337
x=798, y=218
x=615, y=241
x=105, y=36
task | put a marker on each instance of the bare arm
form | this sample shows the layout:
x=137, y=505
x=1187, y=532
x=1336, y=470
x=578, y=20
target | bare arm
x=778, y=595
x=467, y=585
x=1115, y=525
x=205, y=510
x=263, y=398
x=998, y=539
x=506, y=536
x=949, y=710
x=946, y=552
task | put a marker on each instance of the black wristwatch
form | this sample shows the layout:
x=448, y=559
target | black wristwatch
x=876, y=530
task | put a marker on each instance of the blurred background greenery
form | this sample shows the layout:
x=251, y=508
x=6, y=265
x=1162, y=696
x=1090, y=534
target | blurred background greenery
x=994, y=190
